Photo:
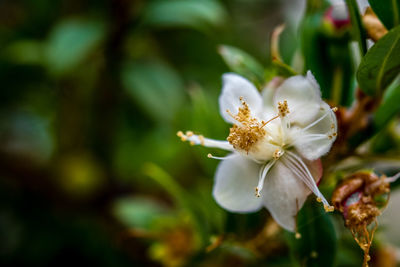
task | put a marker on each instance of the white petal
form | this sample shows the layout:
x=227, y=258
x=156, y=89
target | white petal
x=303, y=96
x=316, y=138
x=235, y=182
x=267, y=94
x=284, y=192
x=310, y=77
x=339, y=10
x=362, y=5
x=234, y=87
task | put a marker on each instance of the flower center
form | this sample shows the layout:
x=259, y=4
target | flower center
x=248, y=131
x=250, y=135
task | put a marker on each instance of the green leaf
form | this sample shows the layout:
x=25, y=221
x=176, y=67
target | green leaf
x=389, y=106
x=155, y=86
x=200, y=15
x=137, y=212
x=358, y=29
x=181, y=196
x=71, y=42
x=328, y=58
x=318, y=244
x=24, y=52
x=314, y=49
x=388, y=11
x=242, y=63
x=168, y=183
x=282, y=69
x=382, y=142
x=381, y=64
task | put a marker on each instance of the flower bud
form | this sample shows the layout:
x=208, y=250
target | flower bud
x=336, y=19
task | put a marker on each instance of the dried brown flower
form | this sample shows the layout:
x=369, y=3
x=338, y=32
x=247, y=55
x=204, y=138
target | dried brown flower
x=375, y=29
x=355, y=199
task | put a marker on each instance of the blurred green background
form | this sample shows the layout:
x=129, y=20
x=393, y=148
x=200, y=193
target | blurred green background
x=92, y=95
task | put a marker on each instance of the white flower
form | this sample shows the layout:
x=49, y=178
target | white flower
x=276, y=141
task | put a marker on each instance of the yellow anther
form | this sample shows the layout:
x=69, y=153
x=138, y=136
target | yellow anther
x=257, y=192
x=283, y=108
x=183, y=138
x=189, y=133
x=192, y=143
x=334, y=109
x=319, y=199
x=248, y=131
x=277, y=154
x=297, y=235
x=201, y=138
x=330, y=136
x=314, y=254
x=334, y=134
x=209, y=155
x=179, y=134
x=329, y=208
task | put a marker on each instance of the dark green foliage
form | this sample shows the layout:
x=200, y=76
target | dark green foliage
x=381, y=64
x=317, y=245
x=388, y=11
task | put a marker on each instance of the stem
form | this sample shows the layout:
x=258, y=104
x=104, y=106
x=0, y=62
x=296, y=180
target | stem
x=337, y=85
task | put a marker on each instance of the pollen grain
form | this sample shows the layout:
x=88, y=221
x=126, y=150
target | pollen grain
x=248, y=131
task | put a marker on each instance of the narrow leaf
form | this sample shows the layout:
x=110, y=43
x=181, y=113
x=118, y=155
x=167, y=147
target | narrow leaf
x=200, y=15
x=71, y=42
x=138, y=212
x=156, y=87
x=358, y=29
x=242, y=63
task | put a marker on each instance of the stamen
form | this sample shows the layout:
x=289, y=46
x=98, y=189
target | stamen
x=393, y=178
x=283, y=108
x=210, y=156
x=262, y=176
x=311, y=137
x=300, y=173
x=230, y=114
x=315, y=122
x=194, y=139
x=247, y=131
x=329, y=208
x=202, y=140
x=334, y=109
x=266, y=122
x=307, y=178
x=278, y=153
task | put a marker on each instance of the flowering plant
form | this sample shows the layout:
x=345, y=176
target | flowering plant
x=281, y=135
x=276, y=141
